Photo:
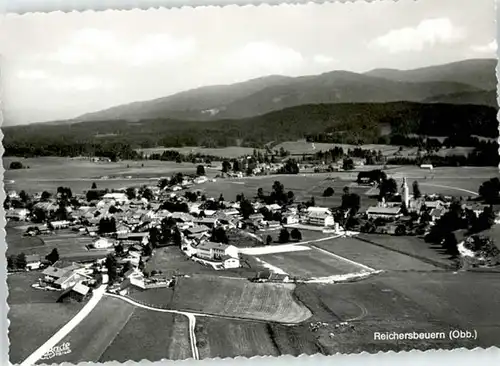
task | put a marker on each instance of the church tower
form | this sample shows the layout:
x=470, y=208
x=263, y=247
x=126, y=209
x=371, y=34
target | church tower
x=405, y=193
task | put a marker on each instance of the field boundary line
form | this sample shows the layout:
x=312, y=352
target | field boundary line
x=449, y=187
x=345, y=259
x=191, y=320
x=415, y=256
x=66, y=329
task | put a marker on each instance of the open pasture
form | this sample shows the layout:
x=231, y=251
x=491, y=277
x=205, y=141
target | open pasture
x=374, y=256
x=48, y=173
x=90, y=339
x=239, y=298
x=162, y=335
x=309, y=264
x=233, y=338
x=17, y=243
x=34, y=315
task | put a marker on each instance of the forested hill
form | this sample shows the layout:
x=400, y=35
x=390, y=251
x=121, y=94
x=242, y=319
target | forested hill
x=347, y=123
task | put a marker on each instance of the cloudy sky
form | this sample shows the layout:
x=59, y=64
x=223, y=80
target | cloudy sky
x=61, y=65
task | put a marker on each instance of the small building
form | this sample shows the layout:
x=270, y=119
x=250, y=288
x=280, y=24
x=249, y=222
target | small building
x=120, y=198
x=196, y=231
x=33, y=261
x=78, y=293
x=17, y=214
x=102, y=243
x=230, y=262
x=291, y=219
x=384, y=212
x=319, y=216
x=210, y=250
x=426, y=166
x=206, y=221
x=57, y=225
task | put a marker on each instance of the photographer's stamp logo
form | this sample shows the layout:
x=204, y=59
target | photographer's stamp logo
x=63, y=349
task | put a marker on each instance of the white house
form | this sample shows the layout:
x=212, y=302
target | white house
x=120, y=198
x=426, y=166
x=319, y=216
x=384, y=212
x=102, y=243
x=231, y=262
x=200, y=180
x=19, y=214
x=291, y=219
x=63, y=224
x=33, y=261
x=210, y=250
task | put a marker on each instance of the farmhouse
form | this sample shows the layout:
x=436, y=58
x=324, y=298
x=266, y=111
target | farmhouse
x=426, y=166
x=120, y=198
x=56, y=225
x=33, y=261
x=291, y=219
x=17, y=214
x=62, y=278
x=319, y=216
x=196, y=231
x=230, y=262
x=384, y=212
x=78, y=293
x=102, y=243
x=210, y=250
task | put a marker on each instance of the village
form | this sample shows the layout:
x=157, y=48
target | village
x=123, y=228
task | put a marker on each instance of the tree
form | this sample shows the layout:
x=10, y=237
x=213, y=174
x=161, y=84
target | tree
x=221, y=198
x=284, y=236
x=226, y=166
x=21, y=261
x=45, y=196
x=236, y=166
x=348, y=164
x=296, y=234
x=11, y=262
x=53, y=256
x=23, y=196
x=246, y=208
x=119, y=250
x=291, y=197
x=177, y=237
x=260, y=193
x=269, y=240
x=148, y=194
x=107, y=225
x=94, y=186
x=39, y=215
x=16, y=165
x=219, y=235
x=490, y=190
x=147, y=250
x=328, y=192
x=388, y=188
x=200, y=170
x=416, y=190
x=111, y=265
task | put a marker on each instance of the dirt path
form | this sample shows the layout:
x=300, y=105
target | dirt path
x=449, y=187
x=191, y=318
x=66, y=329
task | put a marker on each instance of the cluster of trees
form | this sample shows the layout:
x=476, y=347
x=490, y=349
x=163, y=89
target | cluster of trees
x=17, y=262
x=107, y=225
x=285, y=236
x=490, y=190
x=355, y=123
x=278, y=194
x=459, y=218
x=16, y=165
x=290, y=167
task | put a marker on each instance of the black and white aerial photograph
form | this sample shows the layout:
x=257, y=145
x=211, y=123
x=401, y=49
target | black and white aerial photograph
x=196, y=183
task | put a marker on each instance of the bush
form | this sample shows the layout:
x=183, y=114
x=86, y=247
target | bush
x=16, y=165
x=328, y=192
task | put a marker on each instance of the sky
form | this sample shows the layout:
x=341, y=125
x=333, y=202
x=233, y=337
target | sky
x=61, y=65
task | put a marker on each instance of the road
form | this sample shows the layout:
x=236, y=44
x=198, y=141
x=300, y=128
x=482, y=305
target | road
x=67, y=328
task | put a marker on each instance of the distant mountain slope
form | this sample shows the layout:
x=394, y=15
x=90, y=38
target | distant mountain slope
x=487, y=98
x=272, y=93
x=480, y=73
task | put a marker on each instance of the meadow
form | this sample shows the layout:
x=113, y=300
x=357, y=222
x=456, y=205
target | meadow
x=34, y=315
x=308, y=264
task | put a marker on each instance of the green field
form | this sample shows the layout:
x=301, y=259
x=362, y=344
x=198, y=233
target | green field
x=34, y=315
x=48, y=173
x=380, y=258
x=229, y=297
x=227, y=152
x=90, y=339
x=231, y=338
x=309, y=264
x=162, y=335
